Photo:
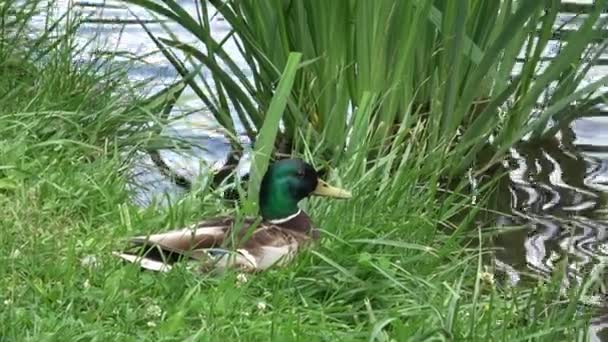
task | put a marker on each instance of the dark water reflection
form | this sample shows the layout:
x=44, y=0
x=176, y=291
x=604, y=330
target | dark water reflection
x=556, y=192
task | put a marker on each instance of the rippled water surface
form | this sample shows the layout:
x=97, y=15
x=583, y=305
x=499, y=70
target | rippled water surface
x=556, y=191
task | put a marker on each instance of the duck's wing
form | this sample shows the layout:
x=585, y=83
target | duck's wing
x=157, y=252
x=204, y=234
x=269, y=245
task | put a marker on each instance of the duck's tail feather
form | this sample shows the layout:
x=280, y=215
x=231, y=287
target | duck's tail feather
x=157, y=252
x=155, y=257
x=159, y=259
x=144, y=262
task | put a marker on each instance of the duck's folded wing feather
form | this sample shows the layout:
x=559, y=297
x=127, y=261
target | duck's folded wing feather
x=185, y=239
x=157, y=252
x=271, y=245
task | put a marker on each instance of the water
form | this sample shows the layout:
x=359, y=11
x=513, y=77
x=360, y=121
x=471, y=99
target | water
x=199, y=128
x=556, y=191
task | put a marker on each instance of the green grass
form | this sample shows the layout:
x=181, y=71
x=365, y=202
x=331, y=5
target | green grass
x=394, y=263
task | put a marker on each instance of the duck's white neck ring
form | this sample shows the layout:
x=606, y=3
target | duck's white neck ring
x=285, y=219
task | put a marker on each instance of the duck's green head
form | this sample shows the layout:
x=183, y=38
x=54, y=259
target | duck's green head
x=286, y=183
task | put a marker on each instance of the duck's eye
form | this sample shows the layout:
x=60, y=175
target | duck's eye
x=300, y=173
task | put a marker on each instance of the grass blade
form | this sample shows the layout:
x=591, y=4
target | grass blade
x=266, y=138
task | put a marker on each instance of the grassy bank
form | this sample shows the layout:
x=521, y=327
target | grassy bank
x=383, y=269
x=391, y=265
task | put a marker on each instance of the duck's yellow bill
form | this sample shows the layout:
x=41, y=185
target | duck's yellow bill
x=324, y=189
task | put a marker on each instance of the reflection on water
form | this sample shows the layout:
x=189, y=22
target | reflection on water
x=556, y=191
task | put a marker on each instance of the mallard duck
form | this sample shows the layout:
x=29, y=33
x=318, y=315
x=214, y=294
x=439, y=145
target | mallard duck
x=282, y=231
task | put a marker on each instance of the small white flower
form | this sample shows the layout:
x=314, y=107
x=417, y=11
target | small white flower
x=8, y=302
x=15, y=253
x=151, y=324
x=154, y=311
x=261, y=306
x=241, y=278
x=89, y=261
x=487, y=277
x=86, y=284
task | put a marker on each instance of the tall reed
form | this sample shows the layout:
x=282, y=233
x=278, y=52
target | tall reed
x=438, y=73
